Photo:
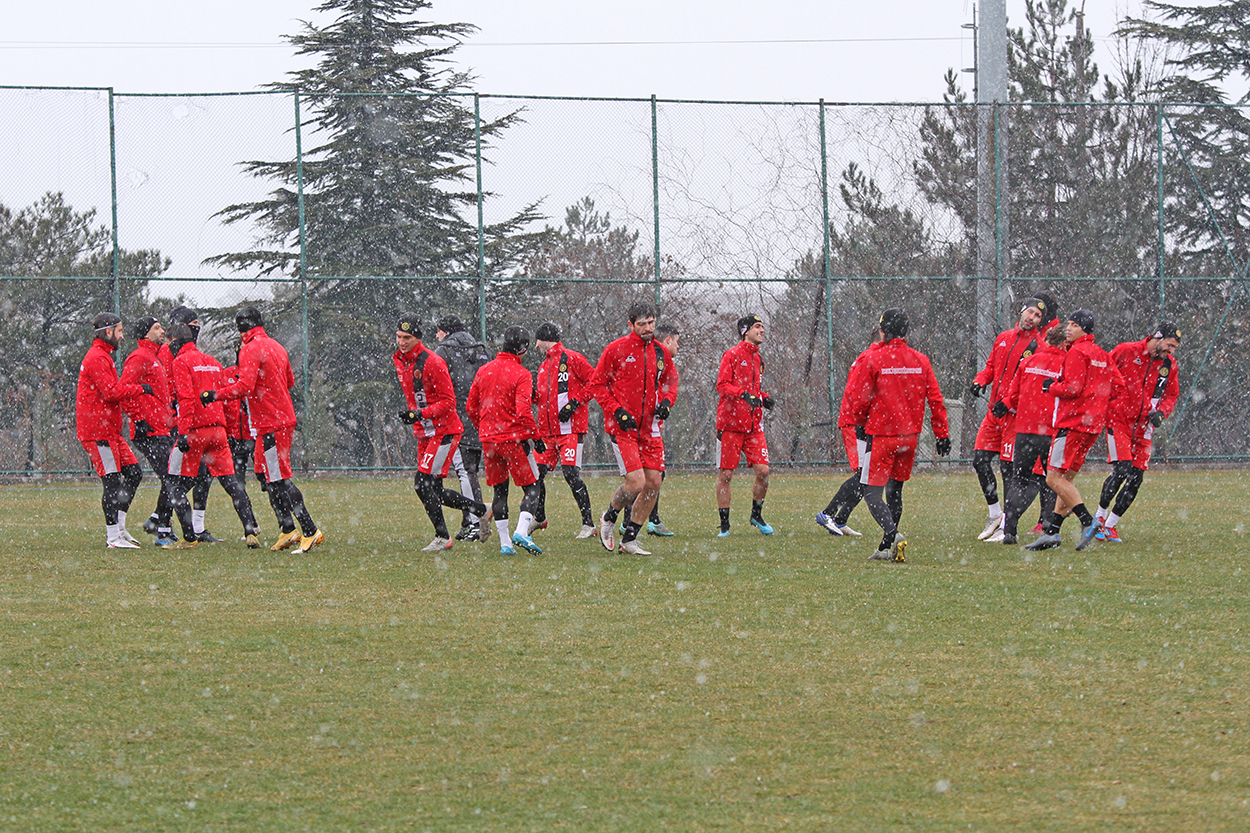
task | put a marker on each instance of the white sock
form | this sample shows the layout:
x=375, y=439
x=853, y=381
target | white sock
x=197, y=520
x=524, y=523
x=502, y=527
x=112, y=531
x=1101, y=515
x=996, y=509
x=1112, y=520
x=121, y=520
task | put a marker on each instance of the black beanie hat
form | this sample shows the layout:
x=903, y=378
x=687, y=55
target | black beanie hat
x=104, y=320
x=516, y=340
x=248, y=318
x=1167, y=329
x=1084, y=319
x=894, y=323
x=409, y=323
x=450, y=324
x=746, y=322
x=547, y=332
x=143, y=326
x=180, y=334
x=183, y=315
x=1051, y=311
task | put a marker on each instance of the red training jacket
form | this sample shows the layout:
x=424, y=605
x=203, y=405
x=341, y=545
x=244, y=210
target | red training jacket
x=854, y=389
x=100, y=394
x=1011, y=348
x=195, y=372
x=897, y=381
x=265, y=381
x=1087, y=384
x=237, y=425
x=635, y=375
x=500, y=400
x=1149, y=383
x=428, y=389
x=1034, y=407
x=740, y=370
x=142, y=367
x=564, y=374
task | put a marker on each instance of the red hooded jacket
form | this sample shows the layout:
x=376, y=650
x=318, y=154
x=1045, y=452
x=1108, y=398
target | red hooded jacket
x=1087, y=385
x=896, y=382
x=1149, y=383
x=500, y=400
x=1034, y=407
x=142, y=367
x=740, y=370
x=100, y=394
x=428, y=388
x=635, y=375
x=265, y=380
x=563, y=375
x=195, y=372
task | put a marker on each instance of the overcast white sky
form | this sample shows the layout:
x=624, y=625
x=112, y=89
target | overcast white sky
x=885, y=50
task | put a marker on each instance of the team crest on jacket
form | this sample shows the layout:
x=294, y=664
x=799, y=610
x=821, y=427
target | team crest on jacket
x=1026, y=354
x=1163, y=371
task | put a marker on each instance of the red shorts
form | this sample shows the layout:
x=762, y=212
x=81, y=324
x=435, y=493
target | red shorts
x=274, y=454
x=1007, y=441
x=990, y=434
x=1123, y=446
x=853, y=446
x=562, y=450
x=208, y=444
x=633, y=454
x=511, y=457
x=731, y=445
x=434, y=454
x=1068, y=449
x=888, y=458
x=109, y=456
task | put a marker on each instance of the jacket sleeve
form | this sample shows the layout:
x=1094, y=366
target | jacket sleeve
x=937, y=406
x=669, y=378
x=865, y=381
x=605, y=370
x=473, y=402
x=105, y=380
x=440, y=395
x=986, y=376
x=132, y=374
x=1012, y=397
x=249, y=368
x=583, y=372
x=725, y=377
x=524, y=405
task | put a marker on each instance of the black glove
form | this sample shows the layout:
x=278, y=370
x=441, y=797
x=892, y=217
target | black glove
x=751, y=399
x=183, y=445
x=148, y=389
x=663, y=409
x=1156, y=417
x=208, y=397
x=944, y=445
x=539, y=445
x=410, y=417
x=566, y=413
x=769, y=402
x=624, y=421
x=142, y=429
x=1000, y=409
x=860, y=433
x=977, y=390
x=1046, y=383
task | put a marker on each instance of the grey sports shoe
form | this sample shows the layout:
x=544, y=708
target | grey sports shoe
x=588, y=531
x=1087, y=535
x=633, y=548
x=658, y=529
x=1045, y=542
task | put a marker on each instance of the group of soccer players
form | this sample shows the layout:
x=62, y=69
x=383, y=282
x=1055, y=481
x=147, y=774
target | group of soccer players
x=1052, y=391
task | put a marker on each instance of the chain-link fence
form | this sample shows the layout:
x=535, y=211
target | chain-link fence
x=815, y=216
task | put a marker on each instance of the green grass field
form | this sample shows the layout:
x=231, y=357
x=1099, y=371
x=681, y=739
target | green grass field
x=748, y=683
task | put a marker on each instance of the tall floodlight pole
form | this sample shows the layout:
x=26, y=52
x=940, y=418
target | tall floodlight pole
x=991, y=94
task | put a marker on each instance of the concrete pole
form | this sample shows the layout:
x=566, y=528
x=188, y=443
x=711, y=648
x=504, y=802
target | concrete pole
x=991, y=232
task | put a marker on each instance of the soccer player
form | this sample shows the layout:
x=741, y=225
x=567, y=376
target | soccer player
x=1087, y=383
x=562, y=404
x=151, y=418
x=203, y=481
x=1010, y=349
x=635, y=383
x=1151, y=387
x=431, y=411
x=500, y=403
x=99, y=425
x=740, y=421
x=265, y=381
x=202, y=433
x=238, y=428
x=464, y=355
x=897, y=381
x=838, y=512
x=670, y=337
x=1034, y=410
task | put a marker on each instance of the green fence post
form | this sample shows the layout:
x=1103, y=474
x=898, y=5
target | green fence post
x=481, y=227
x=999, y=141
x=828, y=269
x=1159, y=207
x=303, y=252
x=655, y=191
x=116, y=268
